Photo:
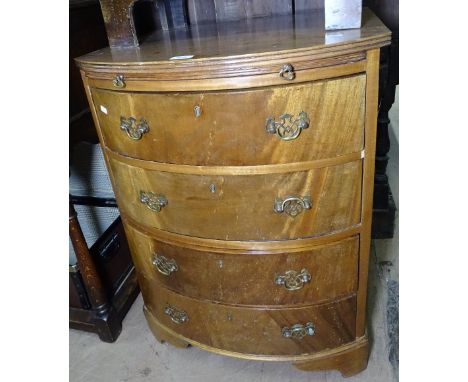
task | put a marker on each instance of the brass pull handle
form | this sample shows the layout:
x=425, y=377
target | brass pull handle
x=153, y=201
x=288, y=128
x=293, y=280
x=292, y=205
x=118, y=81
x=287, y=72
x=164, y=265
x=133, y=129
x=177, y=315
x=298, y=331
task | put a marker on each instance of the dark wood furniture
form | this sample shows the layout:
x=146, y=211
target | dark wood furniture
x=384, y=205
x=242, y=156
x=102, y=284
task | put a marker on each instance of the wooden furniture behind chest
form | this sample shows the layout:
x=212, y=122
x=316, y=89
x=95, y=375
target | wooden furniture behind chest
x=244, y=177
x=102, y=279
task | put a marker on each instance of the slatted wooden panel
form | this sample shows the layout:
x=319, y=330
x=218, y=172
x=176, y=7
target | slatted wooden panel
x=307, y=5
x=179, y=14
x=201, y=11
x=241, y=9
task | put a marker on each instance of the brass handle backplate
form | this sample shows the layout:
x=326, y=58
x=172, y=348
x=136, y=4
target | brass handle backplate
x=298, y=331
x=118, y=81
x=133, y=129
x=292, y=205
x=164, y=265
x=177, y=315
x=293, y=280
x=287, y=72
x=153, y=201
x=288, y=127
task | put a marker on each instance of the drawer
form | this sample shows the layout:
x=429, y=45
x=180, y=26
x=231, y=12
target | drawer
x=255, y=330
x=310, y=276
x=230, y=128
x=261, y=207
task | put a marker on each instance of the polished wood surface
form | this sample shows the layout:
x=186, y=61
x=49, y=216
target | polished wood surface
x=231, y=127
x=238, y=246
x=236, y=170
x=258, y=39
x=368, y=183
x=307, y=69
x=243, y=278
x=254, y=330
x=246, y=202
x=347, y=360
x=344, y=356
x=221, y=182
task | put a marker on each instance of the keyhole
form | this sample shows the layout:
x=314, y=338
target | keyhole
x=197, y=111
x=212, y=188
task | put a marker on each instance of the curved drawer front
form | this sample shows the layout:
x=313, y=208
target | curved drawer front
x=242, y=207
x=310, y=276
x=254, y=330
x=230, y=128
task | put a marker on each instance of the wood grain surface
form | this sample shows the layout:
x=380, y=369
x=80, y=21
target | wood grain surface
x=242, y=207
x=348, y=361
x=246, y=9
x=372, y=91
x=254, y=330
x=120, y=26
x=221, y=174
x=231, y=127
x=238, y=246
x=255, y=40
x=340, y=358
x=243, y=278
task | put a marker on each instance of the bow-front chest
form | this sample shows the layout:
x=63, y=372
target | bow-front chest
x=242, y=158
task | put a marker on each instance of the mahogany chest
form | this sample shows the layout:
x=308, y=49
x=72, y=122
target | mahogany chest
x=242, y=159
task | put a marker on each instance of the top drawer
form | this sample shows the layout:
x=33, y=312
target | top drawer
x=317, y=120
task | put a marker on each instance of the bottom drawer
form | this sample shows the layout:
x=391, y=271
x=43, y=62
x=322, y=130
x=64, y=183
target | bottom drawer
x=257, y=331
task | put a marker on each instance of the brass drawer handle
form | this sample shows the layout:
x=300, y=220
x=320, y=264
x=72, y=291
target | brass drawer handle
x=292, y=205
x=164, y=265
x=177, y=315
x=153, y=201
x=298, y=331
x=287, y=72
x=288, y=128
x=133, y=129
x=118, y=81
x=293, y=280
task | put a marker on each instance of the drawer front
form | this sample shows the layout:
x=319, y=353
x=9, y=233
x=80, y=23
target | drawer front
x=242, y=207
x=253, y=330
x=310, y=276
x=230, y=128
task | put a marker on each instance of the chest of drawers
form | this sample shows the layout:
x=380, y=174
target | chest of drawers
x=244, y=177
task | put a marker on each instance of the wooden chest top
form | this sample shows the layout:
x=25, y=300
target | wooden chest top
x=229, y=48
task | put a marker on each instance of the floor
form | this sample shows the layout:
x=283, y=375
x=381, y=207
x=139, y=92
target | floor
x=137, y=357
